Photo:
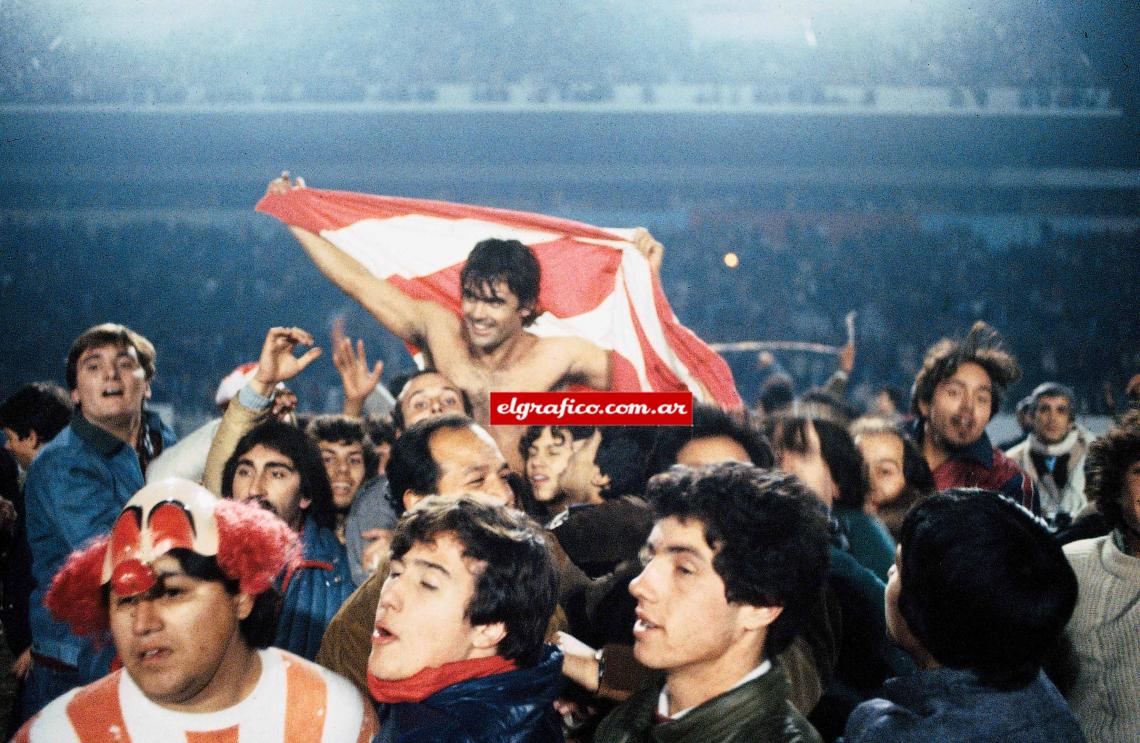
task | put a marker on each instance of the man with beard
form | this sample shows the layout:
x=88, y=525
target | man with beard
x=279, y=467
x=956, y=393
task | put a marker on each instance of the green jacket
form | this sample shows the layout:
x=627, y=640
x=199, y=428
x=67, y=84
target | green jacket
x=757, y=712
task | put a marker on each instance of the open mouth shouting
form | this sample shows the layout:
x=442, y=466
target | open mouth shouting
x=381, y=635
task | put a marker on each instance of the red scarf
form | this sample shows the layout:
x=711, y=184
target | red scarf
x=423, y=684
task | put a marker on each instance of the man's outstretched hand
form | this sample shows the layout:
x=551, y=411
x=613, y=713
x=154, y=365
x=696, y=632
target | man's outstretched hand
x=283, y=183
x=277, y=362
x=357, y=378
x=650, y=247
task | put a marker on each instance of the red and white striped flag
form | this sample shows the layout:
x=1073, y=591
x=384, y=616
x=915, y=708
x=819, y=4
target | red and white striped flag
x=595, y=284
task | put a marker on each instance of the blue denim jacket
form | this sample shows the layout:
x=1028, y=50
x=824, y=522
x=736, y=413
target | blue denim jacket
x=75, y=489
x=313, y=591
x=953, y=706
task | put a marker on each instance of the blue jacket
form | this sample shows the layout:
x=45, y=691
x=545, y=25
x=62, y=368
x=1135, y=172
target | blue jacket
x=953, y=706
x=75, y=489
x=313, y=591
x=513, y=707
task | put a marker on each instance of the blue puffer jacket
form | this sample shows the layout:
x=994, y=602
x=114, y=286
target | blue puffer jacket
x=313, y=591
x=513, y=707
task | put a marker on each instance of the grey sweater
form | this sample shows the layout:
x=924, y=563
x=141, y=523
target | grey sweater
x=1105, y=632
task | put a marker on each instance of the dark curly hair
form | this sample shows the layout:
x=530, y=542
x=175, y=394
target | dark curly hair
x=517, y=583
x=564, y=435
x=1108, y=461
x=984, y=586
x=982, y=346
x=768, y=532
x=342, y=429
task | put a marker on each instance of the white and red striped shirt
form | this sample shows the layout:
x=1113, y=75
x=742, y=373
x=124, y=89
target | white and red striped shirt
x=294, y=701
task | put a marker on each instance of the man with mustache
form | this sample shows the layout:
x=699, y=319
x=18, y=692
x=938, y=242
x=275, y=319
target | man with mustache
x=278, y=467
x=183, y=584
x=956, y=393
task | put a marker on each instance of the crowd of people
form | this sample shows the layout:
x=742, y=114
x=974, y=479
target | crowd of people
x=809, y=569
x=392, y=52
x=907, y=284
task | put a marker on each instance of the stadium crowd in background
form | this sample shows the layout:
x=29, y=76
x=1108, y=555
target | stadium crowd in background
x=910, y=286
x=768, y=574
x=210, y=533
x=389, y=53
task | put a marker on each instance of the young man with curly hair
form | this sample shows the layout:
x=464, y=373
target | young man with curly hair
x=735, y=560
x=1106, y=623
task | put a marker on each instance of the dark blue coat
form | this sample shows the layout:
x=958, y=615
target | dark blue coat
x=953, y=706
x=513, y=707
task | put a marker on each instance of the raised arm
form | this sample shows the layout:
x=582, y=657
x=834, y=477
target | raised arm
x=654, y=252
x=275, y=364
x=403, y=316
x=651, y=248
x=357, y=378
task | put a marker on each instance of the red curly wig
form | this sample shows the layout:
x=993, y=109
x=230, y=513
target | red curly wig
x=254, y=547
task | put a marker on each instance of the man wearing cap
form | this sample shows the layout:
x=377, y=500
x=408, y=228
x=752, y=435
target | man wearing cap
x=1054, y=453
x=183, y=583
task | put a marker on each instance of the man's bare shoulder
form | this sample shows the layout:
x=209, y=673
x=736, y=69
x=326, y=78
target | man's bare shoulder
x=442, y=333
x=568, y=345
x=577, y=360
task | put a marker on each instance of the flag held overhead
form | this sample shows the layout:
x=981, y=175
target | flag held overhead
x=595, y=284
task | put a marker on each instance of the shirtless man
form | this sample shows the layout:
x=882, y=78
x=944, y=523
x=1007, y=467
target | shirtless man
x=486, y=349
